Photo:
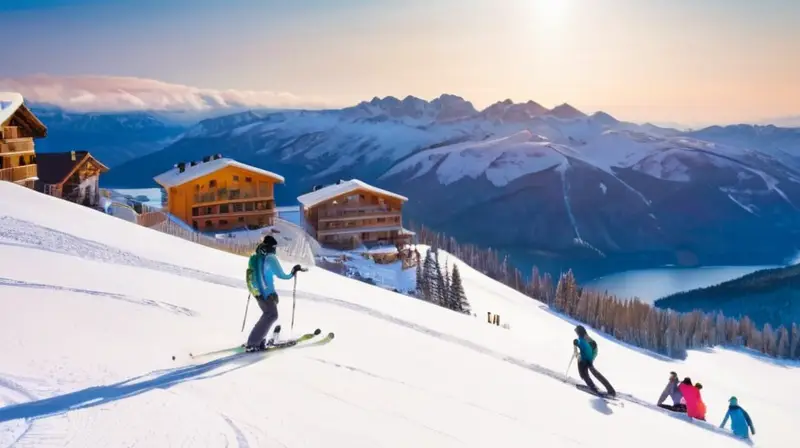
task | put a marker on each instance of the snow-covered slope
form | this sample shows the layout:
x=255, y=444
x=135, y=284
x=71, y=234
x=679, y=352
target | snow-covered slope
x=92, y=308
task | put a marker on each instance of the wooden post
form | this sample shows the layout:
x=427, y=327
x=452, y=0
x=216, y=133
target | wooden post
x=489, y=316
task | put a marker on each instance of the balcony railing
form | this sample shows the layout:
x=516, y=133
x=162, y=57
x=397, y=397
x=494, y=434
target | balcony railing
x=370, y=227
x=366, y=212
x=17, y=146
x=18, y=173
x=230, y=195
x=219, y=214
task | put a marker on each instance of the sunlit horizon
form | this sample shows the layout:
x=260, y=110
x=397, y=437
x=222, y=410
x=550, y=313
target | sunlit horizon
x=717, y=61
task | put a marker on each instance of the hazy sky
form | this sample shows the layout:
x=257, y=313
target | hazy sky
x=662, y=60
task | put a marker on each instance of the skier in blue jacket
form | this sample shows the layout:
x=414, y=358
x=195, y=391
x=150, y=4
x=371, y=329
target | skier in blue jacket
x=262, y=269
x=740, y=420
x=588, y=352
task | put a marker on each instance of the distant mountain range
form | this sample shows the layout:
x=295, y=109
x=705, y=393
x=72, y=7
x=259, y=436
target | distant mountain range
x=113, y=138
x=554, y=186
x=769, y=296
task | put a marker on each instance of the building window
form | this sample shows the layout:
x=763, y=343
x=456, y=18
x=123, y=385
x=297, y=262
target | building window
x=248, y=179
x=236, y=178
x=241, y=219
x=212, y=183
x=223, y=208
x=209, y=223
x=223, y=222
x=208, y=210
x=380, y=220
x=194, y=225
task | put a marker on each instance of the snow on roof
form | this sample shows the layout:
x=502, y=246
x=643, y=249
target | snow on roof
x=9, y=103
x=174, y=178
x=335, y=190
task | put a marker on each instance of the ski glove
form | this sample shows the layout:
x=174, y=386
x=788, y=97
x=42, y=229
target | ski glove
x=575, y=342
x=297, y=268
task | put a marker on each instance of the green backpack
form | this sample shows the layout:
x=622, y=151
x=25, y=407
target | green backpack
x=250, y=277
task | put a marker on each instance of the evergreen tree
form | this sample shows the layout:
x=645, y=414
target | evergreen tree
x=458, y=296
x=441, y=288
x=427, y=284
x=447, y=284
x=420, y=281
x=794, y=346
x=782, y=349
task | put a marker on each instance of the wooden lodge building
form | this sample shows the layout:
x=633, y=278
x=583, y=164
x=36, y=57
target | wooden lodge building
x=220, y=194
x=73, y=175
x=18, y=129
x=352, y=213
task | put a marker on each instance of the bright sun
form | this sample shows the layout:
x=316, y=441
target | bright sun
x=549, y=12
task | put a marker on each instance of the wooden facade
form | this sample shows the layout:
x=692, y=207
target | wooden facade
x=74, y=176
x=18, y=129
x=350, y=214
x=220, y=194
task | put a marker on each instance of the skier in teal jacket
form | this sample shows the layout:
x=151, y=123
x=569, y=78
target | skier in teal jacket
x=740, y=420
x=588, y=352
x=263, y=266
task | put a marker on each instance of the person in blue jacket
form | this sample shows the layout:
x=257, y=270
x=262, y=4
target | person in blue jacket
x=740, y=420
x=588, y=352
x=262, y=268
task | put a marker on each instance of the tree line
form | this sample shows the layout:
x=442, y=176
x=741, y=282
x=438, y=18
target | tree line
x=632, y=321
x=439, y=286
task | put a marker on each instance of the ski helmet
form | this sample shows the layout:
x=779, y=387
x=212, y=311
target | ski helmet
x=267, y=246
x=580, y=331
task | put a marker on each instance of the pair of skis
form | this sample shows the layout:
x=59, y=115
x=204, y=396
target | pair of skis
x=241, y=349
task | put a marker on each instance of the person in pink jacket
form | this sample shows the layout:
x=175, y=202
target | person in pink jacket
x=695, y=407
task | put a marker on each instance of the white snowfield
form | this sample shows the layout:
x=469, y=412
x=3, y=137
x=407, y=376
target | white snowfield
x=92, y=308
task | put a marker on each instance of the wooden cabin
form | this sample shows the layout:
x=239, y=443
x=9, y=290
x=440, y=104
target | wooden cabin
x=220, y=194
x=73, y=175
x=18, y=129
x=352, y=213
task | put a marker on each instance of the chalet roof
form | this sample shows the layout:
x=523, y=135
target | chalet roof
x=11, y=103
x=336, y=190
x=56, y=167
x=173, y=178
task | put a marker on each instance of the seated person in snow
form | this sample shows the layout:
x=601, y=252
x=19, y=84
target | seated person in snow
x=695, y=407
x=672, y=391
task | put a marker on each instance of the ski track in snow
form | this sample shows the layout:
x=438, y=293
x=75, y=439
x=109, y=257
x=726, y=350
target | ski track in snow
x=17, y=232
x=7, y=282
x=10, y=434
x=565, y=190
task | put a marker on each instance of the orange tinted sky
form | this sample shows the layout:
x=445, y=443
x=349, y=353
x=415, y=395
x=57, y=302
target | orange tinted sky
x=685, y=61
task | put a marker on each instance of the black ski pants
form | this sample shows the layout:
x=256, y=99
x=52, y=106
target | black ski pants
x=269, y=314
x=673, y=407
x=584, y=367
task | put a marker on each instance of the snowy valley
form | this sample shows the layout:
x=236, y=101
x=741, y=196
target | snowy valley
x=92, y=309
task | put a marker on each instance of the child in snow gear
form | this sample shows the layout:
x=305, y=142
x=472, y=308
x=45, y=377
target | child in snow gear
x=261, y=268
x=588, y=352
x=672, y=390
x=740, y=420
x=695, y=407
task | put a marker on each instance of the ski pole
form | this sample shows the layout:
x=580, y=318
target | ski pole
x=294, y=298
x=571, y=358
x=245, y=311
x=294, y=302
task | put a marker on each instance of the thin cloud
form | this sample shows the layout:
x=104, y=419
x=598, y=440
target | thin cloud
x=122, y=94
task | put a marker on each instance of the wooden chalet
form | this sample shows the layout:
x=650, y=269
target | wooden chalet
x=220, y=194
x=352, y=213
x=73, y=175
x=18, y=129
